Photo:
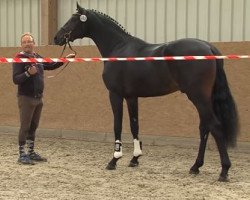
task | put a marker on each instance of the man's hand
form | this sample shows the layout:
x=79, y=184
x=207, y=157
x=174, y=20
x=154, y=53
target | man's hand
x=32, y=69
x=71, y=55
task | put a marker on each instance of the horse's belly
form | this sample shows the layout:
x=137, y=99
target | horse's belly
x=149, y=89
x=140, y=88
x=134, y=80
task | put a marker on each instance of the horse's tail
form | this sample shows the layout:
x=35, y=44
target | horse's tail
x=224, y=105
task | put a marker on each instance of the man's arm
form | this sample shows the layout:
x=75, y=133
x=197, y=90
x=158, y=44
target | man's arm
x=52, y=66
x=20, y=74
x=55, y=65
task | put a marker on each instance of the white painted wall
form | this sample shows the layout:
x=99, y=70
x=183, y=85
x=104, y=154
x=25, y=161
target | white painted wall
x=17, y=17
x=155, y=21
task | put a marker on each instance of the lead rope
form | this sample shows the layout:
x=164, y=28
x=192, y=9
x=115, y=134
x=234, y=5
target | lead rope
x=67, y=42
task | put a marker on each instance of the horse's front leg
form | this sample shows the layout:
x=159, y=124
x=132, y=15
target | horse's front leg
x=117, y=108
x=134, y=126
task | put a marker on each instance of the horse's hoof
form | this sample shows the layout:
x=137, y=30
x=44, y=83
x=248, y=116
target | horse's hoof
x=193, y=171
x=223, y=179
x=132, y=164
x=111, y=167
x=134, y=161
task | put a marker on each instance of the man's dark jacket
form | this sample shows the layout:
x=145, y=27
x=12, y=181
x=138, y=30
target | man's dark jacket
x=31, y=85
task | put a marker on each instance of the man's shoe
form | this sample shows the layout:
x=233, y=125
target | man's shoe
x=36, y=157
x=24, y=159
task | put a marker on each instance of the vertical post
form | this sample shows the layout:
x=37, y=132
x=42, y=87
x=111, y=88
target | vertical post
x=48, y=21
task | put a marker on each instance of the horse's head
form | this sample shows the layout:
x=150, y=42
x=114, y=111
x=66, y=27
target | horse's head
x=74, y=27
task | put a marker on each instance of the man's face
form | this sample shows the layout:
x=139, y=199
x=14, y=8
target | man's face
x=27, y=44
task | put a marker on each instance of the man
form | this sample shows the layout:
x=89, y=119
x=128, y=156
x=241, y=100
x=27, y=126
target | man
x=30, y=80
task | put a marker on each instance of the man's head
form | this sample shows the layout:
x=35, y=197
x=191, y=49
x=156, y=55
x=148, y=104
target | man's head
x=27, y=43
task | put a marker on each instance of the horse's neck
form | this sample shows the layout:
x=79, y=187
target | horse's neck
x=107, y=38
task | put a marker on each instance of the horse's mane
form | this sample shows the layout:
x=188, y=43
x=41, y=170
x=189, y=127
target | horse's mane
x=113, y=20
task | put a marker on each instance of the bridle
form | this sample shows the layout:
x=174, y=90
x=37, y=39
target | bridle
x=66, y=37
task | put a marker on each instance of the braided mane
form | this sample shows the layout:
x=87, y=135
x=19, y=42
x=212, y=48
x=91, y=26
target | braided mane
x=110, y=18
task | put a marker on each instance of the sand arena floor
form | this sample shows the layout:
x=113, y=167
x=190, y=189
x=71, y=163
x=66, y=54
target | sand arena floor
x=76, y=170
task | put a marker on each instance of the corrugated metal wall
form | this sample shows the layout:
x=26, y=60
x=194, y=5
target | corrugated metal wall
x=159, y=21
x=155, y=21
x=17, y=17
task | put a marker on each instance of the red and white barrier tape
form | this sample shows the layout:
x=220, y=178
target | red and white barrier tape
x=48, y=60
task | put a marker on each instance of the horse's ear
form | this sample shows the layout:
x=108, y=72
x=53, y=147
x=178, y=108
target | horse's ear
x=77, y=5
x=80, y=9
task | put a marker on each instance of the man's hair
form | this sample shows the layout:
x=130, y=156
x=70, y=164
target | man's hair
x=29, y=34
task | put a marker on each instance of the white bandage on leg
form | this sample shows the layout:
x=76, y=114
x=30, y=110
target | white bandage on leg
x=137, y=148
x=118, y=149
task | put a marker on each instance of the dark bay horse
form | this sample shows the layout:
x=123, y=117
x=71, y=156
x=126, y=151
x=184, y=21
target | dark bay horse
x=203, y=81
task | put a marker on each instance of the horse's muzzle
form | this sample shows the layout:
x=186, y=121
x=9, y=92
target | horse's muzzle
x=56, y=41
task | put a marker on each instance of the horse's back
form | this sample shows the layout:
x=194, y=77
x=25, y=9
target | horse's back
x=155, y=78
x=188, y=46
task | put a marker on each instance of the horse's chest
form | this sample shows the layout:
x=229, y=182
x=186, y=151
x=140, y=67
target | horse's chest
x=112, y=77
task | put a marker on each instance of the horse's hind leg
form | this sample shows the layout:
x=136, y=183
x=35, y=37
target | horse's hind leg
x=204, y=131
x=132, y=104
x=216, y=131
x=117, y=108
x=207, y=116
